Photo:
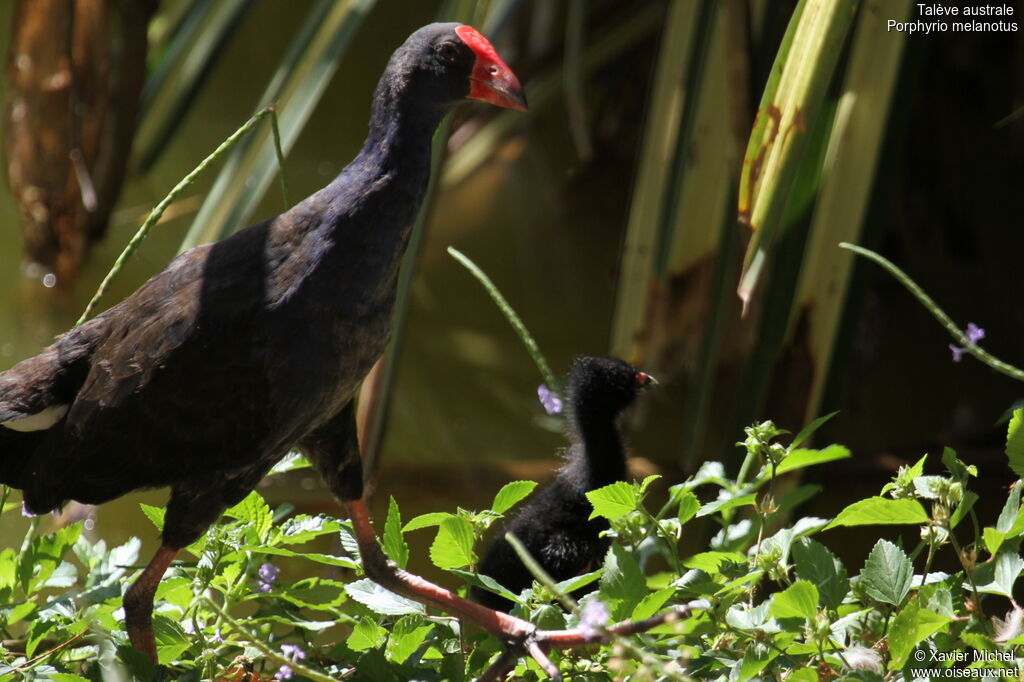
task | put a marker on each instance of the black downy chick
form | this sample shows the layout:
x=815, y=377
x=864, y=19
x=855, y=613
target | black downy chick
x=554, y=524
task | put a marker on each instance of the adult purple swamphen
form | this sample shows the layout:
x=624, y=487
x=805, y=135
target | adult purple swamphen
x=240, y=350
x=555, y=525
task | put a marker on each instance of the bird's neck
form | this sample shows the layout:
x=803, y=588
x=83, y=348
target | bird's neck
x=604, y=460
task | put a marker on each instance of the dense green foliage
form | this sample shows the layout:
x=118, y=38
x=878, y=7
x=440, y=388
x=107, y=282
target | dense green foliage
x=770, y=600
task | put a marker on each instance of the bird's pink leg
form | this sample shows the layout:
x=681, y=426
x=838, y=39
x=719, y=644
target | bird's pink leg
x=520, y=637
x=138, y=602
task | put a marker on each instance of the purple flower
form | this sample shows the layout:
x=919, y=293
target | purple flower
x=25, y=512
x=284, y=673
x=268, y=574
x=593, y=617
x=974, y=334
x=293, y=652
x=549, y=399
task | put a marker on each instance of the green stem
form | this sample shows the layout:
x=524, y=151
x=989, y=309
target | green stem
x=513, y=319
x=937, y=312
x=538, y=572
x=154, y=215
x=257, y=642
x=272, y=108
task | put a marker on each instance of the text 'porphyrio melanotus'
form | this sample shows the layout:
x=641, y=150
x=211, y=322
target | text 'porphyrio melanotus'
x=555, y=525
x=241, y=350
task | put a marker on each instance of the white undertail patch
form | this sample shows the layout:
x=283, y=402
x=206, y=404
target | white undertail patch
x=39, y=421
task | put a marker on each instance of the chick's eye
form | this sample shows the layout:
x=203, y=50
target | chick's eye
x=447, y=52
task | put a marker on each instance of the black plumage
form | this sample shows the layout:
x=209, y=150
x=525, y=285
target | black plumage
x=554, y=525
x=241, y=350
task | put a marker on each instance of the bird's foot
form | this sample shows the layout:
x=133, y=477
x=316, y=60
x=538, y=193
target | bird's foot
x=536, y=643
x=521, y=638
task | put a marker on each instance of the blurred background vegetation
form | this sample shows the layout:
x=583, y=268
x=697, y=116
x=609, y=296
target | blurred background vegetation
x=611, y=216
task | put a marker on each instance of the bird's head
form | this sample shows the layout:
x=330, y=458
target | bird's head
x=443, y=64
x=603, y=387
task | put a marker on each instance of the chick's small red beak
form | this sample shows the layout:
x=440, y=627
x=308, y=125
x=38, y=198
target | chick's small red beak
x=491, y=80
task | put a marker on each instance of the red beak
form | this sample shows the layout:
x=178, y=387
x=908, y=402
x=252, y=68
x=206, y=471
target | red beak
x=491, y=80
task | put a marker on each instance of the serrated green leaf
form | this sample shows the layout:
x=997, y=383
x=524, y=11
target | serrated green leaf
x=511, y=494
x=956, y=467
x=613, y=501
x=426, y=521
x=755, y=658
x=815, y=563
x=381, y=600
x=622, y=583
x=911, y=626
x=154, y=514
x=316, y=593
x=887, y=573
x=881, y=511
x=803, y=457
x=799, y=600
x=406, y=637
x=803, y=675
x=254, y=511
x=651, y=603
x=303, y=528
x=367, y=634
x=711, y=562
x=453, y=545
x=648, y=480
x=1015, y=442
x=171, y=639
x=930, y=487
x=393, y=541
x=688, y=506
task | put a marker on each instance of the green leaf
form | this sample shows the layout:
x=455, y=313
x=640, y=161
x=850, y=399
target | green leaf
x=711, y=562
x=290, y=462
x=815, y=563
x=367, y=634
x=453, y=546
x=303, y=528
x=406, y=637
x=393, y=541
x=966, y=504
x=577, y=581
x=956, y=467
x=613, y=501
x=327, y=559
x=798, y=459
x=803, y=675
x=426, y=521
x=727, y=501
x=154, y=514
x=67, y=677
x=993, y=539
x=381, y=600
x=887, y=573
x=881, y=511
x=808, y=430
x=648, y=480
x=315, y=593
x=171, y=639
x=622, y=582
x=1008, y=566
x=1010, y=512
x=1015, y=442
x=487, y=582
x=511, y=494
x=255, y=511
x=799, y=600
x=755, y=658
x=911, y=626
x=688, y=506
x=651, y=603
